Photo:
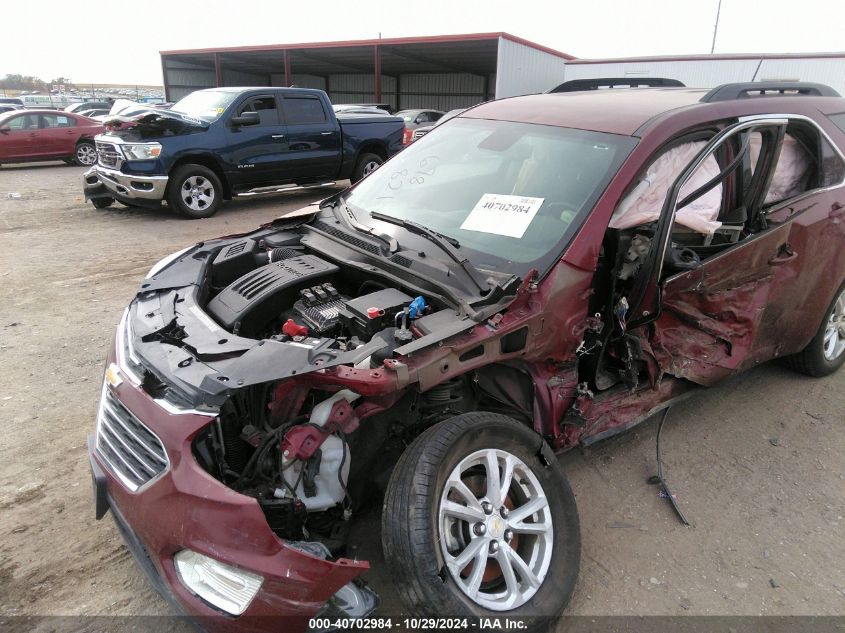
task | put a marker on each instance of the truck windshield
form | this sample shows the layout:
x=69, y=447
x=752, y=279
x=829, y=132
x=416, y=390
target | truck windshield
x=512, y=194
x=205, y=104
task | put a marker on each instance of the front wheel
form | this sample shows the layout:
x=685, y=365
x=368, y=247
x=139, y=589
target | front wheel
x=479, y=521
x=367, y=164
x=195, y=191
x=85, y=155
x=102, y=203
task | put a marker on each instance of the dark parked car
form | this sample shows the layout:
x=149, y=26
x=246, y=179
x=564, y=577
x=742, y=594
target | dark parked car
x=89, y=105
x=553, y=271
x=215, y=144
x=416, y=118
x=36, y=135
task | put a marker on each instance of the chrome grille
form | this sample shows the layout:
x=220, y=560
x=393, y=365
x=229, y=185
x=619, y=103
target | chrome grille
x=133, y=453
x=418, y=133
x=108, y=155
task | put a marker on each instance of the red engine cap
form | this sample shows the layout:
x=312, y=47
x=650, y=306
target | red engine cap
x=374, y=313
x=291, y=328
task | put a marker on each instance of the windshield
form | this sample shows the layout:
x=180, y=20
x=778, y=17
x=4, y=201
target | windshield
x=205, y=104
x=511, y=193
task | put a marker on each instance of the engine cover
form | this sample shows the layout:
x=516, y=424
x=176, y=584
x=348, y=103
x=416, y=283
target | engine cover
x=260, y=295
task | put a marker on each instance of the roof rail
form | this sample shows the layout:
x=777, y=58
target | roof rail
x=576, y=85
x=756, y=89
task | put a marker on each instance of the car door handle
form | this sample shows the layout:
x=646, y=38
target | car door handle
x=278, y=136
x=836, y=210
x=785, y=254
x=326, y=133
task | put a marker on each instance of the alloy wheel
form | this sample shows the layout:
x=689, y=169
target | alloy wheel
x=834, y=333
x=495, y=529
x=197, y=193
x=86, y=154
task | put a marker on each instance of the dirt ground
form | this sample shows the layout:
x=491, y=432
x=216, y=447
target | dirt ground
x=758, y=463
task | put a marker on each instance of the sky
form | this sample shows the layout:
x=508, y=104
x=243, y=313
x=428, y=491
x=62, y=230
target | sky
x=118, y=42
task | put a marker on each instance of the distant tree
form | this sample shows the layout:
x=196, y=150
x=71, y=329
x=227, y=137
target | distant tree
x=22, y=82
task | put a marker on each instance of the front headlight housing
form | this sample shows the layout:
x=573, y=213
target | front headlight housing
x=141, y=151
x=226, y=587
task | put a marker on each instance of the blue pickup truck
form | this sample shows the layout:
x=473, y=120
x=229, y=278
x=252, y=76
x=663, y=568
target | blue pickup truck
x=215, y=144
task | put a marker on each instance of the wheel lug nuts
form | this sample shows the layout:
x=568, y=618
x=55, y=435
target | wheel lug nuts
x=479, y=529
x=494, y=547
x=487, y=507
x=508, y=536
x=503, y=512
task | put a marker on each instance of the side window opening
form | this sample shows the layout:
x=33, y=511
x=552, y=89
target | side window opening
x=304, y=110
x=266, y=108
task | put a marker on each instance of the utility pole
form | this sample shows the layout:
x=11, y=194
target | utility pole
x=716, y=27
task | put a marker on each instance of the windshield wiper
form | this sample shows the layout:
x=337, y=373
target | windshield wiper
x=351, y=220
x=448, y=245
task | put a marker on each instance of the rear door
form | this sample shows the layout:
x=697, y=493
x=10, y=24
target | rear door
x=58, y=134
x=313, y=139
x=257, y=154
x=806, y=200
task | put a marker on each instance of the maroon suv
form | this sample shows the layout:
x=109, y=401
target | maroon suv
x=538, y=273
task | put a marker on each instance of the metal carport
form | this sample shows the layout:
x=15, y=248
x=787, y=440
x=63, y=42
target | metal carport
x=441, y=72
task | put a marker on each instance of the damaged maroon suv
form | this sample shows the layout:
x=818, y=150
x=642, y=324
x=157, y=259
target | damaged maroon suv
x=539, y=273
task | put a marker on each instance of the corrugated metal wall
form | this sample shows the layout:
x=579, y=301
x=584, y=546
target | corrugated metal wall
x=237, y=78
x=524, y=70
x=441, y=91
x=181, y=78
x=707, y=73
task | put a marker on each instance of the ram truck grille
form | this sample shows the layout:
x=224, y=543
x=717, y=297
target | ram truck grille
x=108, y=155
x=131, y=451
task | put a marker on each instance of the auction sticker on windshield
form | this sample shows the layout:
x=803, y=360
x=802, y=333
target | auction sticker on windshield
x=502, y=214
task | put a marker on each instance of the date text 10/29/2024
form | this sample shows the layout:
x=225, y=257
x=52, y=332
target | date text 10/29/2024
x=418, y=624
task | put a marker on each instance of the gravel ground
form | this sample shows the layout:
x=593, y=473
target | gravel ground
x=757, y=463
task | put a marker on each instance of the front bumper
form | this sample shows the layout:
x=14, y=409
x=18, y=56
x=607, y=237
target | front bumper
x=186, y=508
x=101, y=181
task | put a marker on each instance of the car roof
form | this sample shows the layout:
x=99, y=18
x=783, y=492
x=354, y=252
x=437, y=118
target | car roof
x=616, y=111
x=627, y=110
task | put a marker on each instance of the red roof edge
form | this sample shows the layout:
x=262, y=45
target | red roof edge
x=393, y=41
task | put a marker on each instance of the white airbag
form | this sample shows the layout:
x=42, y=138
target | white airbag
x=644, y=203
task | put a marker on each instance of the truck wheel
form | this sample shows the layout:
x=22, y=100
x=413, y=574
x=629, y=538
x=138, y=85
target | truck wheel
x=478, y=520
x=826, y=352
x=367, y=164
x=194, y=191
x=86, y=154
x=102, y=203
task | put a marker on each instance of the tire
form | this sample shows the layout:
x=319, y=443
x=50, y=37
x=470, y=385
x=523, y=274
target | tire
x=826, y=352
x=367, y=164
x=419, y=532
x=194, y=192
x=102, y=203
x=85, y=154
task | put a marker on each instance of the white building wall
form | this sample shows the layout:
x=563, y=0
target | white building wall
x=707, y=73
x=524, y=70
x=830, y=71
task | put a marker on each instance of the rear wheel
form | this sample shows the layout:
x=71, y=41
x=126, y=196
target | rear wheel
x=195, y=191
x=826, y=352
x=86, y=154
x=367, y=164
x=479, y=520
